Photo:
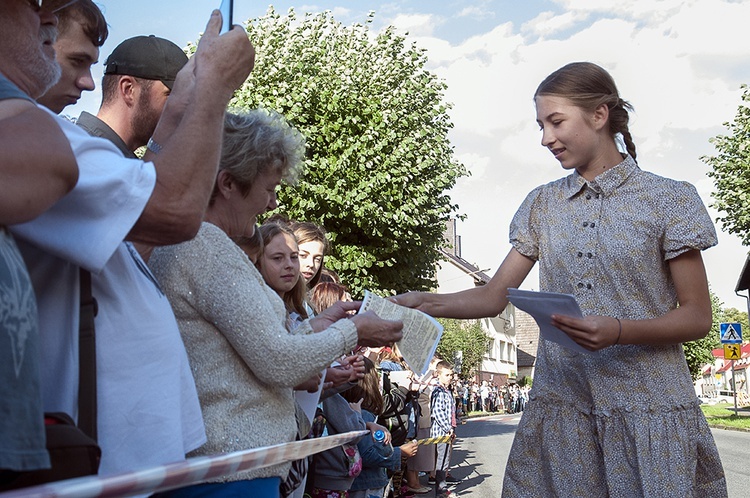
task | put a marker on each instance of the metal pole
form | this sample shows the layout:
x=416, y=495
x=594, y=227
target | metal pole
x=734, y=388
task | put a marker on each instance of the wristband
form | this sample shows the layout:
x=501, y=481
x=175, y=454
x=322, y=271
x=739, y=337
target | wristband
x=153, y=146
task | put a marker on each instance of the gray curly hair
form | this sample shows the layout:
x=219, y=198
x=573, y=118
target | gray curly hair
x=256, y=142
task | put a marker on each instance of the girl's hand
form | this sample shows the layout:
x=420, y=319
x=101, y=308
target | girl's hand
x=356, y=363
x=591, y=332
x=409, y=449
x=357, y=407
x=373, y=427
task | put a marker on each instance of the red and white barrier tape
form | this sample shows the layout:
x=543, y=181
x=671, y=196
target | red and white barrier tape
x=185, y=473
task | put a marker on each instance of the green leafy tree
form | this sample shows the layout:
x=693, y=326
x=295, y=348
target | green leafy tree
x=733, y=315
x=466, y=336
x=379, y=163
x=731, y=173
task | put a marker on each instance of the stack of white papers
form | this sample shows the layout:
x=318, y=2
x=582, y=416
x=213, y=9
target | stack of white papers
x=541, y=306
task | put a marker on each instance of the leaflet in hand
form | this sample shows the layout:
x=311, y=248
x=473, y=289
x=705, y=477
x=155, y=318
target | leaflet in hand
x=421, y=332
x=541, y=306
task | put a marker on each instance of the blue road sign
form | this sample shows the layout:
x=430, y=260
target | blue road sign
x=731, y=333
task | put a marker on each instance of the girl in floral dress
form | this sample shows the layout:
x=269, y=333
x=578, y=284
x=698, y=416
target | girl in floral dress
x=622, y=421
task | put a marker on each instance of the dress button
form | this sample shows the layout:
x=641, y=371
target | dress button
x=593, y=224
x=588, y=196
x=580, y=254
x=589, y=255
x=588, y=286
x=580, y=285
x=585, y=223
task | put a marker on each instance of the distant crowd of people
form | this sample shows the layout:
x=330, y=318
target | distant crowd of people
x=214, y=327
x=473, y=396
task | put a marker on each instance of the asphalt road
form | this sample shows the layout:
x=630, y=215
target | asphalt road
x=483, y=445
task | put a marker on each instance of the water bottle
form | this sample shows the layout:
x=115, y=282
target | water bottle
x=378, y=436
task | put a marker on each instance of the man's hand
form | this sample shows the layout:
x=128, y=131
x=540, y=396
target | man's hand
x=223, y=62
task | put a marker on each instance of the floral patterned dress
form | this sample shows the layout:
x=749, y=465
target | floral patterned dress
x=624, y=422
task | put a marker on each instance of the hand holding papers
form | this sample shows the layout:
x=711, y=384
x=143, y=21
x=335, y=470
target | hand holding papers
x=421, y=332
x=541, y=306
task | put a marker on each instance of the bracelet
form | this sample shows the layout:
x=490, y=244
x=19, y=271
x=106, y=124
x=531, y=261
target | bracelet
x=619, y=333
x=153, y=146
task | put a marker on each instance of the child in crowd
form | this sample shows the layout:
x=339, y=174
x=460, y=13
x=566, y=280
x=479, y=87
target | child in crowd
x=279, y=265
x=377, y=456
x=325, y=294
x=333, y=471
x=313, y=247
x=443, y=417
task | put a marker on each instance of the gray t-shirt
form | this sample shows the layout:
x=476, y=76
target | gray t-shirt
x=22, y=440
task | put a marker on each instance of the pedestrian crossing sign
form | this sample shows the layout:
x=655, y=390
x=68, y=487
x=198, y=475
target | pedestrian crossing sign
x=731, y=333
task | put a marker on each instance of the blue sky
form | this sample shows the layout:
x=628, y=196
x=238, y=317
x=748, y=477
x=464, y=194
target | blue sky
x=679, y=62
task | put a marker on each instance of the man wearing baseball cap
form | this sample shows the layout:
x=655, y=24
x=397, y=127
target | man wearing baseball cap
x=138, y=78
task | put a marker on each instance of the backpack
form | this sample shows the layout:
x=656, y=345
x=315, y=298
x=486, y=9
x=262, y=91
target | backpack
x=398, y=404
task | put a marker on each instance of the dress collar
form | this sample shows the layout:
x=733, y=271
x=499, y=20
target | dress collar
x=606, y=182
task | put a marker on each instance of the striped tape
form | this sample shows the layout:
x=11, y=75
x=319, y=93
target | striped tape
x=434, y=440
x=185, y=473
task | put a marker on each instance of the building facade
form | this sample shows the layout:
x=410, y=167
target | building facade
x=499, y=365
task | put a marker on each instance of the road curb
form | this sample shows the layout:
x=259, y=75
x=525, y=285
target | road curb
x=729, y=428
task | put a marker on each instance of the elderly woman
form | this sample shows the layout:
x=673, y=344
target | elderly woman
x=244, y=361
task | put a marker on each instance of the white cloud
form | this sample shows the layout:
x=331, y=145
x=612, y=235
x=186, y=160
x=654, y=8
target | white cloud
x=680, y=64
x=417, y=25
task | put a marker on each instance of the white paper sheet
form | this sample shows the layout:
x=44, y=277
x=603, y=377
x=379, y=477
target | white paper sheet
x=422, y=333
x=541, y=306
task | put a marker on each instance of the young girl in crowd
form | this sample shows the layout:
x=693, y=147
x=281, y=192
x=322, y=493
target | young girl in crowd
x=279, y=265
x=627, y=244
x=377, y=456
x=313, y=247
x=325, y=294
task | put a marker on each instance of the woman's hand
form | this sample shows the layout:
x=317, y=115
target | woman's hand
x=333, y=314
x=338, y=376
x=410, y=299
x=592, y=332
x=373, y=331
x=311, y=385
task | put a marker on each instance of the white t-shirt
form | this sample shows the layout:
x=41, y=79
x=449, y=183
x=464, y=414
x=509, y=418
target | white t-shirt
x=148, y=409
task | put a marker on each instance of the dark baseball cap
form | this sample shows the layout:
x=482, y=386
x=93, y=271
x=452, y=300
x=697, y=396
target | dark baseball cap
x=148, y=57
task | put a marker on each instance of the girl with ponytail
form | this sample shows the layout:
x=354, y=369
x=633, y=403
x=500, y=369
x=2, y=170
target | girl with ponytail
x=627, y=244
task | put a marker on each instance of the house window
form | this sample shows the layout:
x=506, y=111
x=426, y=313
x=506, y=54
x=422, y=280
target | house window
x=491, y=350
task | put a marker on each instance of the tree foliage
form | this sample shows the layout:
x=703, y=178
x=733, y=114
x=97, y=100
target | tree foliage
x=379, y=163
x=731, y=173
x=698, y=353
x=466, y=336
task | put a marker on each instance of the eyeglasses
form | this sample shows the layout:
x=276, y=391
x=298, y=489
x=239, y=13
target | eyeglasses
x=53, y=6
